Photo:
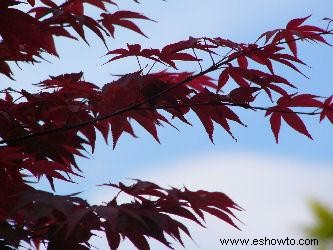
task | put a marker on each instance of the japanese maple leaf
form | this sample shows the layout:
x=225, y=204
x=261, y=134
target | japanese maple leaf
x=244, y=77
x=77, y=5
x=197, y=83
x=219, y=113
x=327, y=111
x=134, y=50
x=176, y=51
x=283, y=111
x=294, y=29
x=121, y=18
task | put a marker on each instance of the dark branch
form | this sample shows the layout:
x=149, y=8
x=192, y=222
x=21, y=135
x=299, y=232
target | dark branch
x=225, y=60
x=138, y=107
x=240, y=105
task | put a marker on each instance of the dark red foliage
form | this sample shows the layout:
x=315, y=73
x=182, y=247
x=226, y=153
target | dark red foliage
x=284, y=104
x=327, y=108
x=43, y=133
x=147, y=216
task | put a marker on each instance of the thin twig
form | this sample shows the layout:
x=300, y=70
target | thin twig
x=137, y=59
x=151, y=68
x=240, y=105
x=198, y=60
x=210, y=54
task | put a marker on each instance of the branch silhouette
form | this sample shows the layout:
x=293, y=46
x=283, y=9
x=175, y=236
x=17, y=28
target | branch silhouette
x=137, y=106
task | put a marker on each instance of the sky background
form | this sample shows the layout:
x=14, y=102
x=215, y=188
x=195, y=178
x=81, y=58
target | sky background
x=273, y=183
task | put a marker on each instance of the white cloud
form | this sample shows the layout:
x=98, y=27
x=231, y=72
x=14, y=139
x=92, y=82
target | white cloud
x=274, y=192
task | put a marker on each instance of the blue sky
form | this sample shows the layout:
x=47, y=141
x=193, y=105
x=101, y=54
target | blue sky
x=177, y=20
x=236, y=20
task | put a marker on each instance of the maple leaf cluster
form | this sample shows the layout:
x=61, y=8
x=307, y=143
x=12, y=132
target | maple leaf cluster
x=42, y=133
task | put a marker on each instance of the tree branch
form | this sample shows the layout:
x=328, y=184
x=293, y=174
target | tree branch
x=138, y=107
x=135, y=106
x=240, y=105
